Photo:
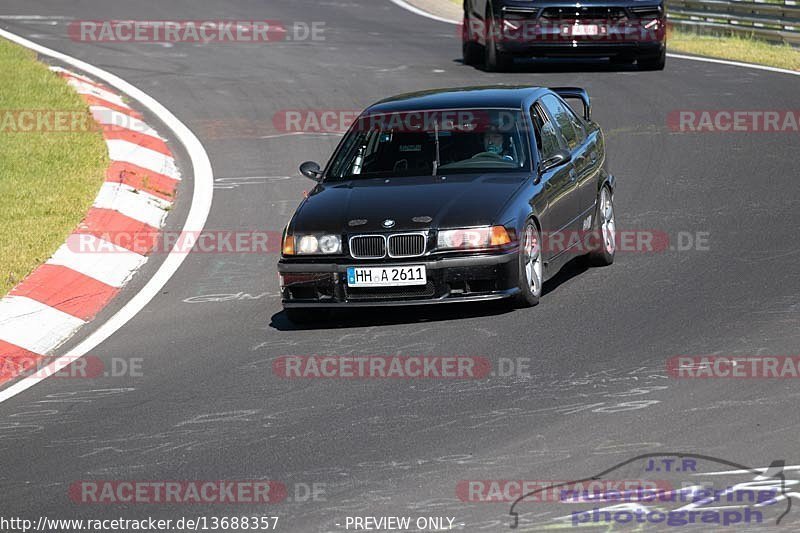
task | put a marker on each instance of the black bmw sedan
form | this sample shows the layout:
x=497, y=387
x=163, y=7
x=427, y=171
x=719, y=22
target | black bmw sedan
x=452, y=195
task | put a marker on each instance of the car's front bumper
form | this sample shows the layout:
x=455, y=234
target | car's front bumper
x=586, y=49
x=450, y=279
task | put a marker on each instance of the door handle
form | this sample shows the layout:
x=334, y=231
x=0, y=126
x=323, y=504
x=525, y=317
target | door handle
x=573, y=175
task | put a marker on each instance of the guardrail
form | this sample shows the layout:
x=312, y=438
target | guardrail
x=777, y=22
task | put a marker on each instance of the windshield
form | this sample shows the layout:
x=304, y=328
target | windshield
x=432, y=142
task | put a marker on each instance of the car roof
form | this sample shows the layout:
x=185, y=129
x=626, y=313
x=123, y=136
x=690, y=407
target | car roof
x=498, y=96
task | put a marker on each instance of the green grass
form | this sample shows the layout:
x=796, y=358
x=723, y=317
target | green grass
x=48, y=180
x=735, y=48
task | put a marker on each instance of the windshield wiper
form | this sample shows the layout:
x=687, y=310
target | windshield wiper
x=436, y=162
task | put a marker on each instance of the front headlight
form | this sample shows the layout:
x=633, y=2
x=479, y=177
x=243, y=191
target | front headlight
x=472, y=238
x=330, y=244
x=311, y=244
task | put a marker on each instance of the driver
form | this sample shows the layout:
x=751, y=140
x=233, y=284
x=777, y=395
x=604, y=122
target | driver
x=494, y=142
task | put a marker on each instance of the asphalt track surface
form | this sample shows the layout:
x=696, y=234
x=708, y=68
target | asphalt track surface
x=208, y=405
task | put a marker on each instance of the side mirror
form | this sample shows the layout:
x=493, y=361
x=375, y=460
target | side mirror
x=310, y=169
x=561, y=157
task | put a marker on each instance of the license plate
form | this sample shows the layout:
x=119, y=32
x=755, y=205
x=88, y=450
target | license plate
x=585, y=29
x=390, y=276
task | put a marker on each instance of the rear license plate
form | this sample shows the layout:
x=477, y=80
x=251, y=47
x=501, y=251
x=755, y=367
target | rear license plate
x=585, y=29
x=390, y=276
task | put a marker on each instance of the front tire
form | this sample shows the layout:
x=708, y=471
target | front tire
x=470, y=50
x=531, y=266
x=494, y=60
x=605, y=228
x=302, y=316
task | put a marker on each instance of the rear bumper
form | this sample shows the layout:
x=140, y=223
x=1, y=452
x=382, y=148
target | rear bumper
x=450, y=280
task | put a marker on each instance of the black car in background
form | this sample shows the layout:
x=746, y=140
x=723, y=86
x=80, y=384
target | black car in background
x=496, y=31
x=451, y=195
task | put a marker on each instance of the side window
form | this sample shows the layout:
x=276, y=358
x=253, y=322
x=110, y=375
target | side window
x=546, y=137
x=580, y=131
x=561, y=115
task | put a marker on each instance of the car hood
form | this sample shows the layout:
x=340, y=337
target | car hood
x=413, y=203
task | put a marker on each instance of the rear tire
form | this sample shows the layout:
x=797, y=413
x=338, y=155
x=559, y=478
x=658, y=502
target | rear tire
x=604, y=226
x=653, y=63
x=531, y=266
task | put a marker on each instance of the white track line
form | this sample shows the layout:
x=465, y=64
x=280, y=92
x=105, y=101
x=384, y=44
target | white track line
x=195, y=221
x=416, y=10
x=422, y=13
x=33, y=17
x=735, y=64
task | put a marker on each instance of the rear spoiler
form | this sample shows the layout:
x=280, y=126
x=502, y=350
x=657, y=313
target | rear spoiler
x=576, y=93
